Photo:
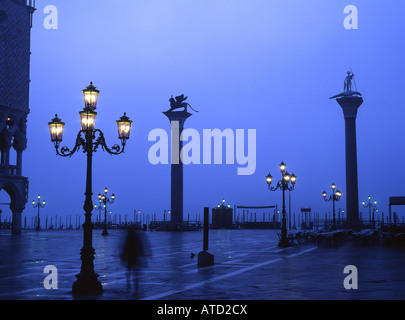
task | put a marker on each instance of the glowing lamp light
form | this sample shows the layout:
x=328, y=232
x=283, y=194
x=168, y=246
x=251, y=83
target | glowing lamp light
x=91, y=96
x=56, y=129
x=269, y=178
x=287, y=177
x=338, y=193
x=87, y=119
x=282, y=166
x=293, y=178
x=324, y=194
x=124, y=127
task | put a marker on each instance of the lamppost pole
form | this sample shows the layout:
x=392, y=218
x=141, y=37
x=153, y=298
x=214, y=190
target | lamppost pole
x=335, y=196
x=105, y=233
x=39, y=205
x=283, y=186
x=89, y=139
x=370, y=205
x=87, y=278
x=284, y=221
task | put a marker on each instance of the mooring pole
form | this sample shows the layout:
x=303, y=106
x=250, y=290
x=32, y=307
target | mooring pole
x=206, y=228
x=204, y=257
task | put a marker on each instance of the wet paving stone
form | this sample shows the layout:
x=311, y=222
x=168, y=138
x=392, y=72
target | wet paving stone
x=248, y=266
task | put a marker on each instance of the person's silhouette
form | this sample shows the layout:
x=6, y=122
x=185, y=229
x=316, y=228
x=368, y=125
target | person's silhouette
x=132, y=254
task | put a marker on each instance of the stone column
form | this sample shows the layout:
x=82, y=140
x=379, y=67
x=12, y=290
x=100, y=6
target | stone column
x=5, y=160
x=177, y=120
x=350, y=104
x=19, y=162
x=17, y=220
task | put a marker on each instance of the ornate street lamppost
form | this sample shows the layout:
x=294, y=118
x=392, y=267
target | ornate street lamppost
x=335, y=196
x=283, y=185
x=104, y=200
x=89, y=139
x=99, y=211
x=370, y=205
x=38, y=205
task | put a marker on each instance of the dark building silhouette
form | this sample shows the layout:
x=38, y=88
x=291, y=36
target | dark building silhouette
x=15, y=34
x=222, y=217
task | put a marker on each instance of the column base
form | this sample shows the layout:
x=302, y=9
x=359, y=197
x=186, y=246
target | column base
x=284, y=243
x=87, y=285
x=205, y=259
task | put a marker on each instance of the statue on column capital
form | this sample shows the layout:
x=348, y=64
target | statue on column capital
x=347, y=87
x=178, y=102
x=348, y=81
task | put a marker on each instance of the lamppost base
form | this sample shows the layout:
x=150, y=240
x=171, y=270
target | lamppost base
x=284, y=243
x=38, y=228
x=104, y=233
x=87, y=285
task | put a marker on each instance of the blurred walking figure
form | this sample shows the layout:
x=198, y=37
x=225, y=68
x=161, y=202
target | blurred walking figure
x=133, y=255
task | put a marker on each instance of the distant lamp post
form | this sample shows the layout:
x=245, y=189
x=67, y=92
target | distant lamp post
x=335, y=196
x=89, y=139
x=370, y=205
x=104, y=200
x=283, y=185
x=38, y=205
x=99, y=211
x=340, y=215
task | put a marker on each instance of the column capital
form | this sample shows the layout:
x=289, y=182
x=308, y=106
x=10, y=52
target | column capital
x=350, y=105
x=180, y=116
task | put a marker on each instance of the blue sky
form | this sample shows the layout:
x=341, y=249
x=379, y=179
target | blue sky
x=265, y=65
